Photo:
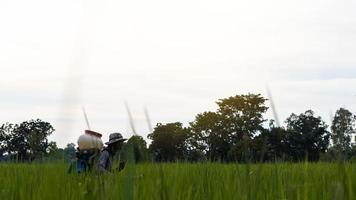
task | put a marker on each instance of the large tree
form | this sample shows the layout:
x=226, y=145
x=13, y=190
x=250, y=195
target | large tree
x=307, y=136
x=342, y=127
x=169, y=142
x=28, y=140
x=243, y=114
x=242, y=118
x=209, y=136
x=226, y=134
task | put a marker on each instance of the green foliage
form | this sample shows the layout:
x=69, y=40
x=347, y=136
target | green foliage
x=169, y=142
x=54, y=153
x=204, y=181
x=69, y=152
x=139, y=147
x=342, y=127
x=237, y=131
x=308, y=136
x=242, y=115
x=5, y=131
x=271, y=145
x=227, y=134
x=27, y=141
x=209, y=135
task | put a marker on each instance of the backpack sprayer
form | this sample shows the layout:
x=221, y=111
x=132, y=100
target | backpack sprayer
x=91, y=139
x=89, y=147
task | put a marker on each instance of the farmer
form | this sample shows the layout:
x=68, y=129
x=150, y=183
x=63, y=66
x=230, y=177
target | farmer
x=115, y=144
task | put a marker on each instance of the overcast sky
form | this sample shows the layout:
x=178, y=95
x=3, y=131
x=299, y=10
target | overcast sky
x=174, y=57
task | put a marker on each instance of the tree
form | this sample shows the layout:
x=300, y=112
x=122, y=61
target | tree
x=271, y=144
x=5, y=131
x=209, y=136
x=28, y=140
x=227, y=134
x=54, y=153
x=341, y=130
x=242, y=117
x=307, y=136
x=243, y=114
x=139, y=145
x=69, y=152
x=169, y=142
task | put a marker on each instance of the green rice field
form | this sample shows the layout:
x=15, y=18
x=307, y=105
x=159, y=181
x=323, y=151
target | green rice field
x=182, y=181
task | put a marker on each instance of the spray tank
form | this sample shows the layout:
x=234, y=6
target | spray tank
x=88, y=151
x=90, y=140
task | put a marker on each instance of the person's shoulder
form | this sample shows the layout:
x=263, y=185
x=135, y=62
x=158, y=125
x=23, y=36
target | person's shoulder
x=105, y=151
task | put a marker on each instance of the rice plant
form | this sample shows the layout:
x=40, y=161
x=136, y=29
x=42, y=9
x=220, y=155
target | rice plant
x=182, y=181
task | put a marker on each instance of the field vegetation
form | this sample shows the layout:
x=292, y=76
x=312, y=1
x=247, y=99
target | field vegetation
x=233, y=152
x=182, y=181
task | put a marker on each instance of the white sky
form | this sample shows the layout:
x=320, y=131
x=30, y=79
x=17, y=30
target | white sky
x=174, y=57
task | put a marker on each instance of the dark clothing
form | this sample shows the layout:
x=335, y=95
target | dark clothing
x=86, y=161
x=105, y=160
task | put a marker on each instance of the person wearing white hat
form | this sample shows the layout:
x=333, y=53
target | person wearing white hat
x=115, y=143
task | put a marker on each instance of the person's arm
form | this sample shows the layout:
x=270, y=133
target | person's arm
x=103, y=161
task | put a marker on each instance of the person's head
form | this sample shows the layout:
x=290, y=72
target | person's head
x=116, y=146
x=116, y=141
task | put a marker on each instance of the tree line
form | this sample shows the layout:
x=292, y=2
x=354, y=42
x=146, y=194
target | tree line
x=28, y=141
x=236, y=132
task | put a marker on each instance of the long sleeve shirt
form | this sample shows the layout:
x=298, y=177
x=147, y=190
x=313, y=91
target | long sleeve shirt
x=105, y=161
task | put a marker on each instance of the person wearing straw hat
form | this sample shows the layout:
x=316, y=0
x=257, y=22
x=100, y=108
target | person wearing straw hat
x=115, y=144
